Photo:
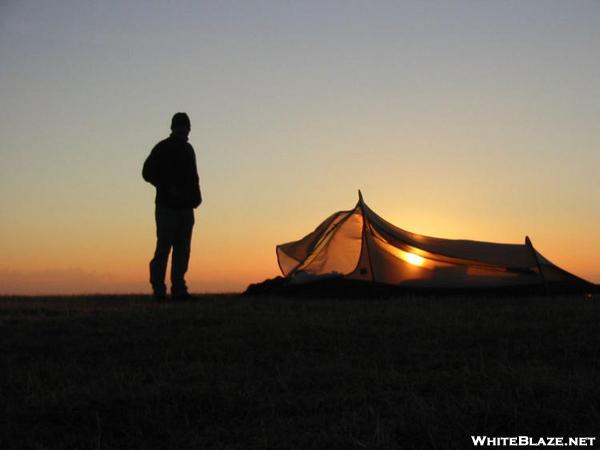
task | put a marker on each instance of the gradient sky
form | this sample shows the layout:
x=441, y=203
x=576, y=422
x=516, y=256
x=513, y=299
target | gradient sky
x=474, y=120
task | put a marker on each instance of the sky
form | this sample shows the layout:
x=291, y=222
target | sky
x=464, y=119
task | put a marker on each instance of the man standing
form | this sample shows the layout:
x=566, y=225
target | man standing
x=171, y=168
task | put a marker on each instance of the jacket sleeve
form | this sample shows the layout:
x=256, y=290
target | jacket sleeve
x=151, y=169
x=198, y=192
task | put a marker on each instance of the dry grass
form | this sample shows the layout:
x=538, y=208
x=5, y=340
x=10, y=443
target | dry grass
x=124, y=372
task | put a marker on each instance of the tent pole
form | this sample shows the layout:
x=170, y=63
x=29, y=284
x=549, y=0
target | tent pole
x=364, y=234
x=537, y=261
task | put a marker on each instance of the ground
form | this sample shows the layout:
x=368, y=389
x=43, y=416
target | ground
x=226, y=371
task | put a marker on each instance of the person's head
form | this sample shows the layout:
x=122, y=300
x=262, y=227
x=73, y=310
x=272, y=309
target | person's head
x=180, y=125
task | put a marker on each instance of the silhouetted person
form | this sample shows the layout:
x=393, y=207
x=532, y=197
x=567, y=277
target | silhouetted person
x=171, y=168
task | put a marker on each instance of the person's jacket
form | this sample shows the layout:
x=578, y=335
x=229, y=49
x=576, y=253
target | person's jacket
x=171, y=168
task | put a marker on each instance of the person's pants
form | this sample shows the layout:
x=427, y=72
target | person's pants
x=173, y=230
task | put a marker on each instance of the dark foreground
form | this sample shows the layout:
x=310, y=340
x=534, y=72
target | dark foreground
x=233, y=372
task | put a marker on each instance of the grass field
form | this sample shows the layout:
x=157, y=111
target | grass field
x=124, y=372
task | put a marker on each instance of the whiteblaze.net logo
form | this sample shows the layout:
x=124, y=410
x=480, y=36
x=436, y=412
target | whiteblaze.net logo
x=528, y=441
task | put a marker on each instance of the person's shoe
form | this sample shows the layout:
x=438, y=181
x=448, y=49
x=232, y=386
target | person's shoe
x=159, y=292
x=179, y=296
x=159, y=296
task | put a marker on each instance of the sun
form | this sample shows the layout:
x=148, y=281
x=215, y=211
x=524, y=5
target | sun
x=413, y=259
x=408, y=257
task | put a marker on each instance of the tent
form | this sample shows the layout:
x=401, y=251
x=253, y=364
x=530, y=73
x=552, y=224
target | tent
x=360, y=245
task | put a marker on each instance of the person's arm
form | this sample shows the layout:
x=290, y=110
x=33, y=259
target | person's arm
x=198, y=193
x=151, y=169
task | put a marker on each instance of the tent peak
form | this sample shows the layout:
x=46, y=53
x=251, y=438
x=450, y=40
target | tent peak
x=360, y=197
